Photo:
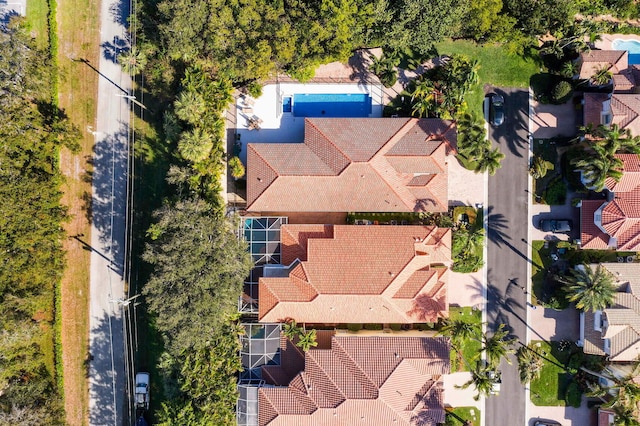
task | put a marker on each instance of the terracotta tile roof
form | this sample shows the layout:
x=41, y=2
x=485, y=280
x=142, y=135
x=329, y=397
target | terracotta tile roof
x=593, y=107
x=380, y=274
x=376, y=380
x=605, y=417
x=354, y=165
x=626, y=111
x=620, y=217
x=622, y=318
x=625, y=81
x=615, y=60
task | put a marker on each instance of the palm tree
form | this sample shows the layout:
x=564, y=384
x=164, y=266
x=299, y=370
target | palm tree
x=625, y=393
x=497, y=346
x=307, y=340
x=459, y=330
x=195, y=145
x=602, y=76
x=529, y=364
x=134, y=60
x=468, y=239
x=568, y=69
x=591, y=289
x=483, y=378
x=426, y=97
x=489, y=161
x=190, y=106
x=600, y=164
x=539, y=167
x=625, y=416
x=472, y=138
x=616, y=139
x=291, y=330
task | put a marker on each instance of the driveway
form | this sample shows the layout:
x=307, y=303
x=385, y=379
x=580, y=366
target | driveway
x=507, y=259
x=549, y=324
x=549, y=121
x=566, y=416
x=544, y=211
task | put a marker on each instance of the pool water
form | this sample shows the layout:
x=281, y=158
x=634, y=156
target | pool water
x=286, y=104
x=331, y=105
x=631, y=46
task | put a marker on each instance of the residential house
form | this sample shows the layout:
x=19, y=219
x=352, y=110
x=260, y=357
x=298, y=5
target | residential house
x=354, y=165
x=614, y=222
x=357, y=380
x=589, y=63
x=358, y=274
x=615, y=331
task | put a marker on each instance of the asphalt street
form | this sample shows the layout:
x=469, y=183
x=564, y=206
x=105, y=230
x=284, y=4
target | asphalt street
x=107, y=380
x=507, y=258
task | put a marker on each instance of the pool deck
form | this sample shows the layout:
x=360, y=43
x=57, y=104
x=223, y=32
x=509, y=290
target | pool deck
x=607, y=40
x=276, y=126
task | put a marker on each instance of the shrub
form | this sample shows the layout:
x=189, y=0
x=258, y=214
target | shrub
x=254, y=89
x=556, y=192
x=354, y=327
x=236, y=167
x=573, y=397
x=561, y=92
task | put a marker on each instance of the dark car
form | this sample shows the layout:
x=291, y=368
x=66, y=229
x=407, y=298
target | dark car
x=495, y=112
x=555, y=225
x=546, y=423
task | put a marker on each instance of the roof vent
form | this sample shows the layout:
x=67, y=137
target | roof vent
x=392, y=274
x=259, y=179
x=396, y=355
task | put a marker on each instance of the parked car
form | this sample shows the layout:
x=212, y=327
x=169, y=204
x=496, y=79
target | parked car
x=546, y=423
x=555, y=225
x=142, y=391
x=497, y=380
x=494, y=109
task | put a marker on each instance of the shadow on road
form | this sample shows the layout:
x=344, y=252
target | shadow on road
x=108, y=204
x=514, y=133
x=88, y=63
x=497, y=225
x=111, y=49
x=120, y=11
x=102, y=375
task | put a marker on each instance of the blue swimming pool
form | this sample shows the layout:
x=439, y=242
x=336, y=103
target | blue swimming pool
x=331, y=105
x=631, y=46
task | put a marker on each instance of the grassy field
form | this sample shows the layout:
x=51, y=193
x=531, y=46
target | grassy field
x=457, y=416
x=37, y=20
x=78, y=37
x=471, y=348
x=497, y=68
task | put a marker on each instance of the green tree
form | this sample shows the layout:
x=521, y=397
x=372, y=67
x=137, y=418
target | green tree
x=199, y=267
x=483, y=20
x=489, y=161
x=483, y=378
x=133, y=60
x=195, y=145
x=190, y=106
x=598, y=164
x=291, y=330
x=497, y=346
x=236, y=167
x=539, y=167
x=529, y=363
x=601, y=76
x=591, y=289
x=472, y=137
x=459, y=331
x=307, y=340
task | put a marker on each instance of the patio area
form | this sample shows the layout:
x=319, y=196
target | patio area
x=269, y=118
x=549, y=121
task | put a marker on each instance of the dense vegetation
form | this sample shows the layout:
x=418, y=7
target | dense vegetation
x=32, y=130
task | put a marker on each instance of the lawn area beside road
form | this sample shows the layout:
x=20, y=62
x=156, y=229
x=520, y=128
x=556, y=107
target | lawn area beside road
x=550, y=388
x=497, y=67
x=78, y=35
x=458, y=415
x=470, y=348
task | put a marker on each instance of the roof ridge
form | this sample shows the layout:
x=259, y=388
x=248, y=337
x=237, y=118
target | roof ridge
x=317, y=129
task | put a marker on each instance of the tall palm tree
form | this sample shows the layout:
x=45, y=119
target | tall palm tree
x=529, y=364
x=472, y=138
x=625, y=416
x=539, y=167
x=133, y=60
x=291, y=330
x=590, y=288
x=602, y=76
x=616, y=139
x=468, y=239
x=459, y=330
x=483, y=378
x=190, y=106
x=195, y=145
x=599, y=165
x=489, y=161
x=307, y=340
x=497, y=346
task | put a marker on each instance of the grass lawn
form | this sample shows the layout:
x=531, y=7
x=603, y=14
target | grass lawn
x=471, y=348
x=547, y=150
x=37, y=20
x=497, y=67
x=538, y=257
x=457, y=416
x=78, y=35
x=550, y=388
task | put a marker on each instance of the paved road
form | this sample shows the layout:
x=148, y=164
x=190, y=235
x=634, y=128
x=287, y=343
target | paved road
x=507, y=250
x=107, y=403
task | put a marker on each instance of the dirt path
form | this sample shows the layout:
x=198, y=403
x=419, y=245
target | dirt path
x=78, y=39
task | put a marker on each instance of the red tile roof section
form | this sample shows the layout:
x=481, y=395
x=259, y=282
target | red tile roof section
x=591, y=236
x=593, y=107
x=382, y=264
x=620, y=217
x=381, y=379
x=369, y=164
x=593, y=60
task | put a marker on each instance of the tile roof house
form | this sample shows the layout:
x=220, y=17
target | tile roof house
x=590, y=62
x=358, y=380
x=614, y=222
x=615, y=331
x=358, y=274
x=355, y=164
x=622, y=109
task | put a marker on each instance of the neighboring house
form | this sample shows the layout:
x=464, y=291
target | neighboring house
x=354, y=165
x=358, y=274
x=357, y=380
x=615, y=61
x=615, y=331
x=615, y=221
x=622, y=109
